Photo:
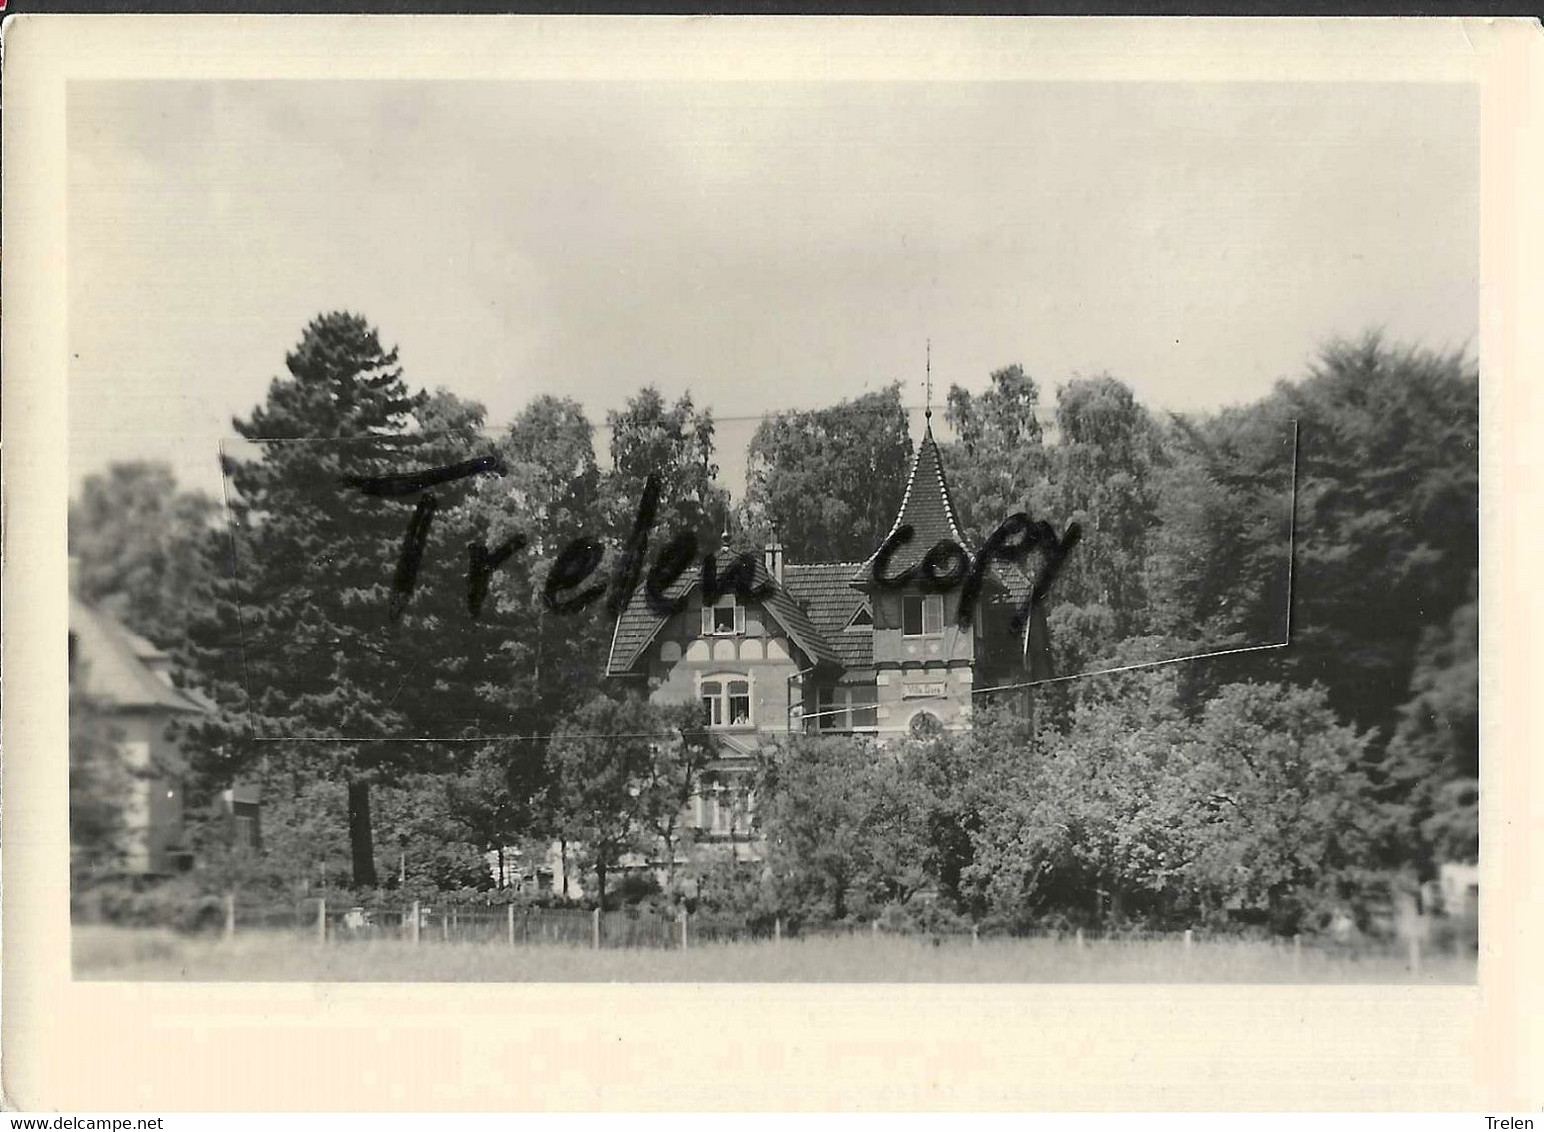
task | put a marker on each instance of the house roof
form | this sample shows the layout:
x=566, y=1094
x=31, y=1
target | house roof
x=120, y=667
x=815, y=602
x=926, y=506
x=639, y=623
x=929, y=508
x=825, y=591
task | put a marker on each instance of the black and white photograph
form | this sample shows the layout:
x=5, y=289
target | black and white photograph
x=840, y=532
x=759, y=564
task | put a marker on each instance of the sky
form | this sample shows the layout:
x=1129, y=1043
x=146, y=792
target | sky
x=763, y=245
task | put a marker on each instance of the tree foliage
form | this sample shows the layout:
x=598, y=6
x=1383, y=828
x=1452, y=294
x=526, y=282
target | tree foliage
x=137, y=545
x=999, y=463
x=296, y=639
x=1434, y=776
x=621, y=768
x=1135, y=813
x=674, y=443
x=828, y=482
x=1274, y=785
x=1387, y=515
x=842, y=822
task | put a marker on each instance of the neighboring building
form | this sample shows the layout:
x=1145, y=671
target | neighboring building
x=824, y=651
x=131, y=679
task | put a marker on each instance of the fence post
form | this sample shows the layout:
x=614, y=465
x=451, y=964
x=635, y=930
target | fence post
x=681, y=916
x=777, y=930
x=1415, y=955
x=975, y=935
x=1189, y=938
x=230, y=914
x=874, y=927
x=415, y=923
x=595, y=929
x=445, y=927
x=1080, y=939
x=321, y=920
x=1297, y=951
x=509, y=912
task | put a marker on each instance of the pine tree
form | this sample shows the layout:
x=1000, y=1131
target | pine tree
x=320, y=666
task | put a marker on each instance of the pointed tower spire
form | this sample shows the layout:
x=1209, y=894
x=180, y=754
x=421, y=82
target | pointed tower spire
x=927, y=413
x=926, y=505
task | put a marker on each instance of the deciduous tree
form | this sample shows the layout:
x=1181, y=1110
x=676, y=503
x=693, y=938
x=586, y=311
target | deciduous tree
x=600, y=760
x=137, y=543
x=827, y=482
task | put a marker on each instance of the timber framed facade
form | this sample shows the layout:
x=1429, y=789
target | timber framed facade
x=825, y=650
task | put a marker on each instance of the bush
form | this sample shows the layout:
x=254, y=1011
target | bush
x=634, y=888
x=923, y=913
x=136, y=902
x=1456, y=935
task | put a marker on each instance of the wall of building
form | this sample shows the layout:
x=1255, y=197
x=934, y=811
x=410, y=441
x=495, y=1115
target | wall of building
x=153, y=811
x=944, y=693
x=932, y=673
x=680, y=655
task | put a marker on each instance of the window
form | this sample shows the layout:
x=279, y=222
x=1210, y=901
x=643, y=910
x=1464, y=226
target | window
x=922, y=616
x=726, y=806
x=726, y=701
x=925, y=725
x=723, y=809
x=724, y=618
x=849, y=708
x=862, y=619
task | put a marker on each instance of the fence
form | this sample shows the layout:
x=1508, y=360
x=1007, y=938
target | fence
x=426, y=922
x=423, y=922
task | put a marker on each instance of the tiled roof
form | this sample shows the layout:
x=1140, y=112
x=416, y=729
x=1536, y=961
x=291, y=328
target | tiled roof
x=639, y=623
x=929, y=508
x=816, y=601
x=112, y=664
x=926, y=506
x=1016, y=584
x=825, y=591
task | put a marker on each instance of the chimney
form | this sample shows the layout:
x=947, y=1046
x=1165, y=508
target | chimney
x=774, y=560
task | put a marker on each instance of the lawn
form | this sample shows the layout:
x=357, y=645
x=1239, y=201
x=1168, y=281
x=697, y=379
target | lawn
x=126, y=954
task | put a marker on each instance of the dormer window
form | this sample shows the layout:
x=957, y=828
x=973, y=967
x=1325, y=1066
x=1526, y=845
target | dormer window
x=724, y=618
x=922, y=615
x=862, y=619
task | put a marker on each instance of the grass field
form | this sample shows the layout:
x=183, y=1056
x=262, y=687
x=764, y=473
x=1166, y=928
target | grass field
x=126, y=954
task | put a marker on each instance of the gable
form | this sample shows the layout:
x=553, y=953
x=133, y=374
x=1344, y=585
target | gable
x=112, y=664
x=639, y=623
x=825, y=591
